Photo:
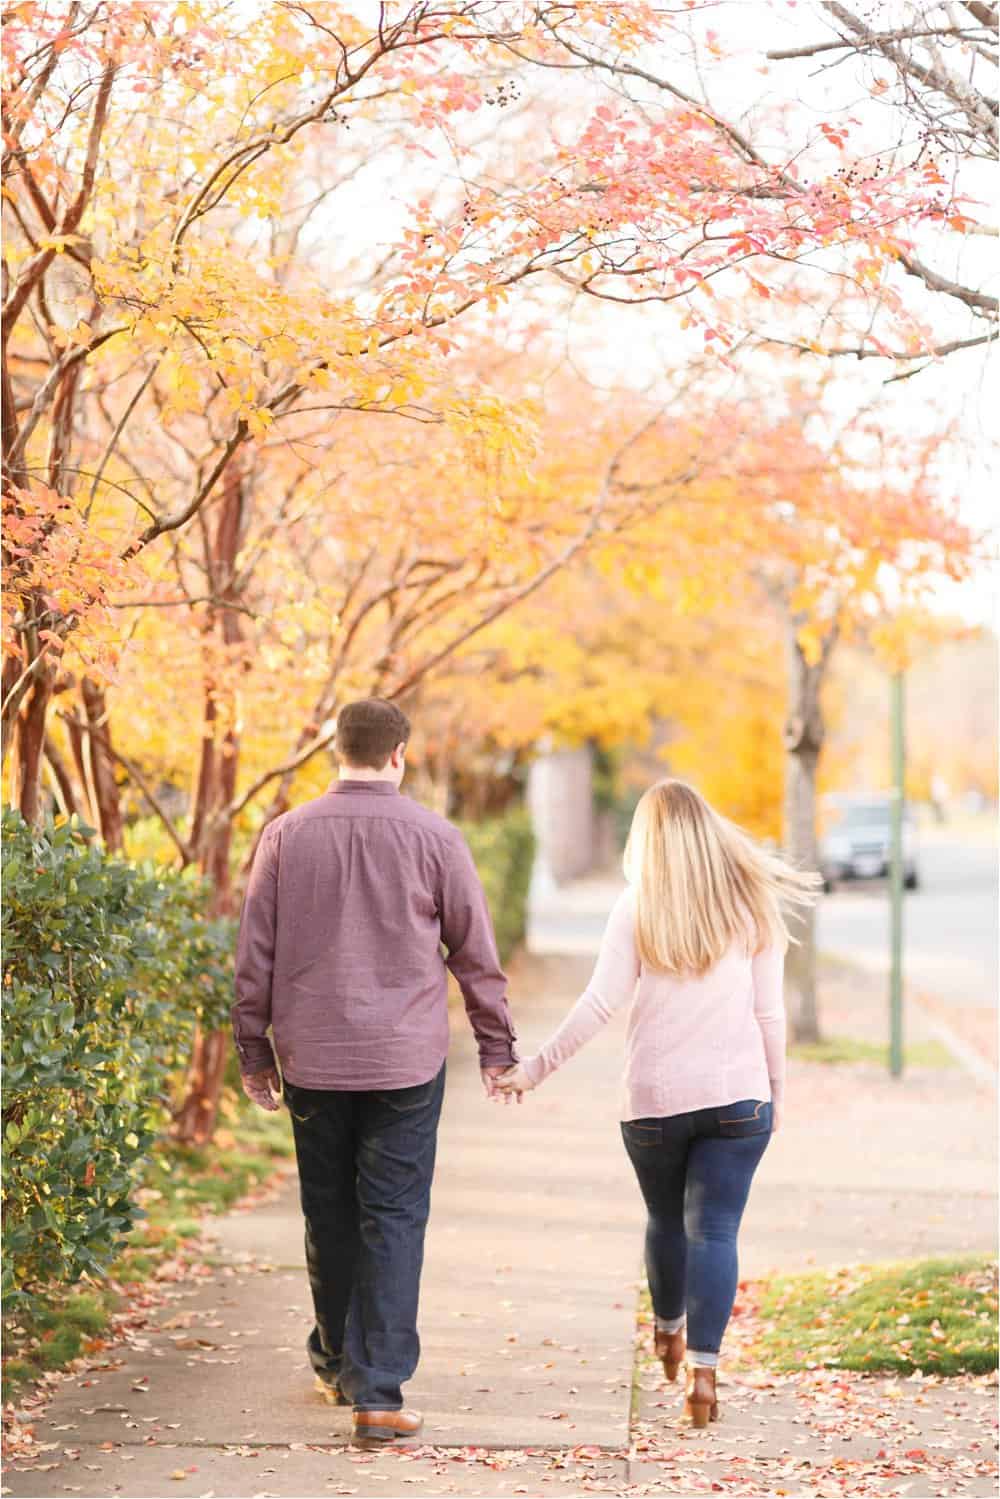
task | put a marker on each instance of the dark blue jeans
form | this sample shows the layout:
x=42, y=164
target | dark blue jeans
x=366, y=1161
x=694, y=1172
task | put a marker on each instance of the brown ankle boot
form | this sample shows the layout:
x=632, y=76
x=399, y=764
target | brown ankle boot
x=670, y=1350
x=701, y=1403
x=379, y=1426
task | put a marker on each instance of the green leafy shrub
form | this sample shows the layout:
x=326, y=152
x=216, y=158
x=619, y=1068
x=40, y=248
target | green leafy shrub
x=504, y=851
x=107, y=968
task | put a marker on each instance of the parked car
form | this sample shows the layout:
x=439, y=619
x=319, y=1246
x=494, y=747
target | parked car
x=858, y=842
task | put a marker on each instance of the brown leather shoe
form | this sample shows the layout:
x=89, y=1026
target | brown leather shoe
x=670, y=1348
x=701, y=1403
x=331, y=1393
x=375, y=1427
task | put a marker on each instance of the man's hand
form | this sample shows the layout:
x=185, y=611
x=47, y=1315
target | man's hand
x=491, y=1077
x=263, y=1089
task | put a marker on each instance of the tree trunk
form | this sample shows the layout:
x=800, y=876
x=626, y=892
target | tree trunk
x=32, y=707
x=12, y=669
x=77, y=744
x=804, y=734
x=194, y=1121
x=64, y=781
x=30, y=745
x=107, y=803
x=211, y=826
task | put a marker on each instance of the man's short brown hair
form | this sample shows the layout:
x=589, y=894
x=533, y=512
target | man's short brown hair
x=368, y=732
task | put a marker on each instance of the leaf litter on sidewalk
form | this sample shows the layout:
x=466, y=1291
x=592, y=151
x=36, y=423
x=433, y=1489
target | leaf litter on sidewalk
x=815, y=1430
x=801, y=1432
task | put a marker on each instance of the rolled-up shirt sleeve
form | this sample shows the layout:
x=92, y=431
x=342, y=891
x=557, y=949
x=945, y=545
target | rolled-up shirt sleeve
x=251, y=1011
x=769, y=1007
x=467, y=933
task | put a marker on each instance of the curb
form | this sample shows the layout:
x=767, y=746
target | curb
x=963, y=1053
x=976, y=1065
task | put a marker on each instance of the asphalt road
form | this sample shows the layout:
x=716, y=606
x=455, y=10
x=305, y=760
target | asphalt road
x=949, y=924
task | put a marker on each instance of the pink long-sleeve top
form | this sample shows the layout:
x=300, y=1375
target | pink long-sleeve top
x=692, y=1042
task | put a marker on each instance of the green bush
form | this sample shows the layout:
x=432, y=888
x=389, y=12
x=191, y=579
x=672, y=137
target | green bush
x=107, y=968
x=504, y=851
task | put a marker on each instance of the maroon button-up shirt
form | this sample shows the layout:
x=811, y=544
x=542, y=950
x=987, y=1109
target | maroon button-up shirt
x=339, y=952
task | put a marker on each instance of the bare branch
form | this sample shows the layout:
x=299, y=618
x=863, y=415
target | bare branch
x=136, y=775
x=859, y=351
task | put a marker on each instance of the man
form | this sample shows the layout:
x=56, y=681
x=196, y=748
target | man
x=339, y=952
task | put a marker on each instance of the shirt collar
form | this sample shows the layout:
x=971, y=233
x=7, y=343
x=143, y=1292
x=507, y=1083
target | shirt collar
x=377, y=788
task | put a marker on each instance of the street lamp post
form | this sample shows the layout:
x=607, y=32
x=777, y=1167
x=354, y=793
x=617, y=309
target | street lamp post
x=896, y=878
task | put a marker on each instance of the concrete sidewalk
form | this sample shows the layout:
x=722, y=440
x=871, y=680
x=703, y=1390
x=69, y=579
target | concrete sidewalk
x=529, y=1305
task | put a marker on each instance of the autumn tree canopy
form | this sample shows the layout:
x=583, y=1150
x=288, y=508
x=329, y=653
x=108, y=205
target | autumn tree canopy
x=293, y=301
x=200, y=326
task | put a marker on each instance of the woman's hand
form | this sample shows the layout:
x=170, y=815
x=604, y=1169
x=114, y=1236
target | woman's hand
x=515, y=1080
x=777, y=1111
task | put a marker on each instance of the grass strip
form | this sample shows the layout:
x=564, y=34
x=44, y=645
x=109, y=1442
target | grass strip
x=938, y=1316
x=839, y=1049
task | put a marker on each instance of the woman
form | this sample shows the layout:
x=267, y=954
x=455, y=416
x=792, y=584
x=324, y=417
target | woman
x=696, y=943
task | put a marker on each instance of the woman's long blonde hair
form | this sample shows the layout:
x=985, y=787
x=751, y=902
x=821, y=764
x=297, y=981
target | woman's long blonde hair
x=703, y=884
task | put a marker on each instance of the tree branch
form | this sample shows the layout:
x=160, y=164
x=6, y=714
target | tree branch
x=137, y=776
x=860, y=352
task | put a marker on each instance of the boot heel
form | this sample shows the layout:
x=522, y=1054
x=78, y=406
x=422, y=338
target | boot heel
x=699, y=1411
x=700, y=1403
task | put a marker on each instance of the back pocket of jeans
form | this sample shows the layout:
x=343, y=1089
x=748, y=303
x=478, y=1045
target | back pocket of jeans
x=749, y=1117
x=642, y=1132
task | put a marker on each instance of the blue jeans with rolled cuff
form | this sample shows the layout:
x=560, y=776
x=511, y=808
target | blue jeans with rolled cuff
x=366, y=1162
x=694, y=1173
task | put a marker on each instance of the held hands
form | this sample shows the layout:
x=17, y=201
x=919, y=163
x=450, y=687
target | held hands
x=514, y=1080
x=491, y=1082
x=505, y=1083
x=263, y=1089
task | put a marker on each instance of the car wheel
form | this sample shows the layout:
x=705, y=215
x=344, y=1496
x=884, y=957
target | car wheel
x=911, y=880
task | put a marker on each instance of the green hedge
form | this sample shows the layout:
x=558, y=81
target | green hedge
x=504, y=850
x=107, y=968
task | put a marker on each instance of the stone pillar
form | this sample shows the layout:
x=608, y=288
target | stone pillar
x=560, y=797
